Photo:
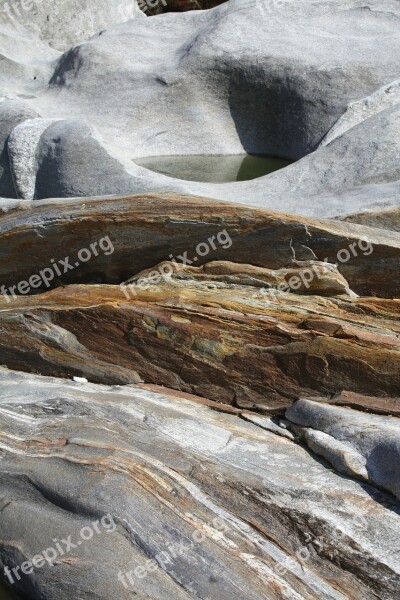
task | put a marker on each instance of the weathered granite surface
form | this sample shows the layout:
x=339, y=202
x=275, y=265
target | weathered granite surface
x=66, y=22
x=243, y=77
x=239, y=503
x=357, y=444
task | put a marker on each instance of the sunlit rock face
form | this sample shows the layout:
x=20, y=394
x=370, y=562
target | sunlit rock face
x=267, y=78
x=126, y=473
x=270, y=296
x=200, y=398
x=65, y=23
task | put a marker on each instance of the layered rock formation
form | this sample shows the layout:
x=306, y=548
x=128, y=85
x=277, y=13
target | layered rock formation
x=146, y=229
x=265, y=326
x=200, y=399
x=199, y=503
x=229, y=341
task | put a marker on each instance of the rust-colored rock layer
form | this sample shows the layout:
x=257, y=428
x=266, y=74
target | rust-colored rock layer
x=231, y=343
x=146, y=229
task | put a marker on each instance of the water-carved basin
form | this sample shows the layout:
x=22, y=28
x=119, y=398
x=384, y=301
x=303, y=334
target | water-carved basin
x=7, y=594
x=214, y=169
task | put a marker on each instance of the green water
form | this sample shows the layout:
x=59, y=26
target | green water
x=214, y=169
x=7, y=594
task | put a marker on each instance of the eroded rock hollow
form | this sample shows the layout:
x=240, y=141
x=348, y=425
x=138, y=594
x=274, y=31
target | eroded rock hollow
x=200, y=377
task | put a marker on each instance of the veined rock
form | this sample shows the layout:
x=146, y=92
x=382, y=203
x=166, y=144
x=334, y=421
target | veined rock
x=153, y=495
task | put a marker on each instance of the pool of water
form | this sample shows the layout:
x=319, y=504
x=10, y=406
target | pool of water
x=214, y=169
x=7, y=594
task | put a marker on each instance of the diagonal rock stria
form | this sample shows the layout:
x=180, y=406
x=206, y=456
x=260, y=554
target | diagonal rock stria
x=361, y=445
x=257, y=517
x=228, y=342
x=145, y=230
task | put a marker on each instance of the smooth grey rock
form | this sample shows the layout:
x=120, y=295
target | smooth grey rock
x=258, y=77
x=375, y=197
x=67, y=22
x=227, y=80
x=356, y=443
x=70, y=158
x=22, y=150
x=26, y=63
x=273, y=522
x=12, y=113
x=366, y=154
x=357, y=112
x=341, y=455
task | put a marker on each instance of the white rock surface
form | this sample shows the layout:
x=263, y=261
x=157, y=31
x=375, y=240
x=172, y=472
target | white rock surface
x=27, y=63
x=163, y=467
x=22, y=148
x=356, y=443
x=67, y=22
x=357, y=112
x=244, y=77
